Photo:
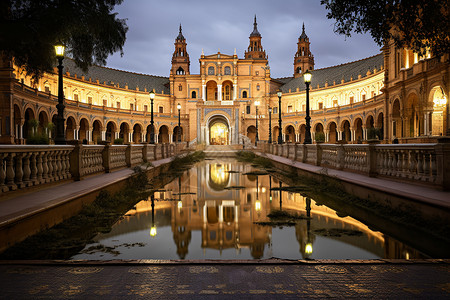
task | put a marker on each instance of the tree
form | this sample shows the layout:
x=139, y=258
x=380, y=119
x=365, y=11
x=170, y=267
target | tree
x=412, y=24
x=29, y=29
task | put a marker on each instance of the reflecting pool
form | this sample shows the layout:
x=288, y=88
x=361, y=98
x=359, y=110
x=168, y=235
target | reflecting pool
x=218, y=210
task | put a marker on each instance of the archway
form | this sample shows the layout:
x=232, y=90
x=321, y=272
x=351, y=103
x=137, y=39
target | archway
x=275, y=133
x=27, y=126
x=439, y=102
x=163, y=136
x=219, y=131
x=227, y=90
x=149, y=131
x=332, y=133
x=123, y=133
x=251, y=133
x=346, y=133
x=17, y=122
x=97, y=131
x=177, y=134
x=358, y=130
x=302, y=131
x=211, y=91
x=380, y=124
x=290, y=134
x=397, y=125
x=70, y=128
x=137, y=134
x=110, y=131
x=84, y=131
x=43, y=121
x=415, y=119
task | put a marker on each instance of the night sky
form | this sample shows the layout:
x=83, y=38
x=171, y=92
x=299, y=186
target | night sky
x=226, y=25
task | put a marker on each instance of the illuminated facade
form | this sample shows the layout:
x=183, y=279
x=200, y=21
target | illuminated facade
x=402, y=94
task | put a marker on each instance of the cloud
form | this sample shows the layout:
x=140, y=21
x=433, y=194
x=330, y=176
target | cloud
x=213, y=25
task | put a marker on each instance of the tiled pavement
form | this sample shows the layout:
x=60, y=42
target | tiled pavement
x=231, y=280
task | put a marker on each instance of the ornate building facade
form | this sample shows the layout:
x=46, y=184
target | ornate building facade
x=402, y=94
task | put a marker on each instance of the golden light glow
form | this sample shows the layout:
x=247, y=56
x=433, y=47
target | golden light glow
x=257, y=103
x=219, y=134
x=59, y=50
x=309, y=248
x=219, y=174
x=179, y=106
x=307, y=76
x=258, y=205
x=153, y=231
x=180, y=204
x=439, y=98
x=152, y=94
x=279, y=93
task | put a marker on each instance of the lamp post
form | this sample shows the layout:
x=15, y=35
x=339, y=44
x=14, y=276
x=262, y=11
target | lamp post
x=179, y=122
x=280, y=135
x=257, y=137
x=270, y=125
x=60, y=138
x=152, y=128
x=307, y=78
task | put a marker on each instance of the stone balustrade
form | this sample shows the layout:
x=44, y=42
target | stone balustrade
x=23, y=166
x=424, y=163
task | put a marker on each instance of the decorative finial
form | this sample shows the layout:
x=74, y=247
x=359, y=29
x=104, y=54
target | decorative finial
x=255, y=29
x=234, y=51
x=180, y=27
x=203, y=52
x=303, y=35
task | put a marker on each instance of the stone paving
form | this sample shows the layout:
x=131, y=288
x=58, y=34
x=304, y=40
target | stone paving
x=226, y=280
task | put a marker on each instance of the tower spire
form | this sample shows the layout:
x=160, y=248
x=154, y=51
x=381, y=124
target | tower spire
x=255, y=29
x=255, y=49
x=303, y=59
x=180, y=35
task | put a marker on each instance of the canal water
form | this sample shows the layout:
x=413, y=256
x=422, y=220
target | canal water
x=219, y=210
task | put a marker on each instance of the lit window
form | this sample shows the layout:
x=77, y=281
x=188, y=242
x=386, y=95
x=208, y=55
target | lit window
x=105, y=102
x=363, y=97
x=289, y=109
x=118, y=104
x=335, y=103
x=90, y=100
x=320, y=105
x=351, y=99
x=75, y=97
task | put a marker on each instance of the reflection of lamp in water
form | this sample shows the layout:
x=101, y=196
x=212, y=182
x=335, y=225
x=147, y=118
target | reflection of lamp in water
x=153, y=228
x=308, y=247
x=257, y=203
x=180, y=204
x=270, y=188
x=281, y=196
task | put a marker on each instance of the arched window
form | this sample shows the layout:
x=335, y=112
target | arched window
x=180, y=87
x=299, y=70
x=194, y=94
x=227, y=70
x=211, y=71
x=244, y=94
x=180, y=71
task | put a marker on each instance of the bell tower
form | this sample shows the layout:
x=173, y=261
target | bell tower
x=303, y=59
x=255, y=49
x=180, y=57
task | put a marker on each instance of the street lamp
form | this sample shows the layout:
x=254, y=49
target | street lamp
x=60, y=138
x=270, y=125
x=179, y=122
x=257, y=138
x=307, y=78
x=152, y=129
x=280, y=135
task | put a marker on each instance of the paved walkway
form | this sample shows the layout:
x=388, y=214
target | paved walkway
x=414, y=192
x=255, y=280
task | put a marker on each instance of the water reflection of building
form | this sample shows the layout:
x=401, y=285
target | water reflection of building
x=213, y=203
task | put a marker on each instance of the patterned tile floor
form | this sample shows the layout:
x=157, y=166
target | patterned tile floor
x=125, y=280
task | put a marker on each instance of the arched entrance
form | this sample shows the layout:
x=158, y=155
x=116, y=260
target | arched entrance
x=219, y=132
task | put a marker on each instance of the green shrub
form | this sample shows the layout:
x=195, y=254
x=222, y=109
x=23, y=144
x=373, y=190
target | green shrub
x=373, y=133
x=118, y=141
x=38, y=139
x=319, y=137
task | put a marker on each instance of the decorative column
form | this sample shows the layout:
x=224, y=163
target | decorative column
x=204, y=92
x=234, y=91
x=219, y=92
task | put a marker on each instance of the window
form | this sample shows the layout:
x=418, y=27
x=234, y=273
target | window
x=247, y=109
x=373, y=94
x=47, y=89
x=257, y=73
x=227, y=70
x=194, y=94
x=363, y=97
x=105, y=102
x=257, y=87
x=320, y=105
x=145, y=108
x=180, y=71
x=275, y=110
x=180, y=87
x=131, y=106
x=75, y=97
x=118, y=104
x=351, y=99
x=161, y=110
x=90, y=100
x=335, y=103
x=304, y=107
x=211, y=71
x=244, y=94
x=289, y=109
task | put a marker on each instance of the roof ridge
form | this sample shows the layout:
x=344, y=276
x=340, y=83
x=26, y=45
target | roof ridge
x=351, y=62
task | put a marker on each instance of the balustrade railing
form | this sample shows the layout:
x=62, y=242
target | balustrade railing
x=23, y=166
x=425, y=163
